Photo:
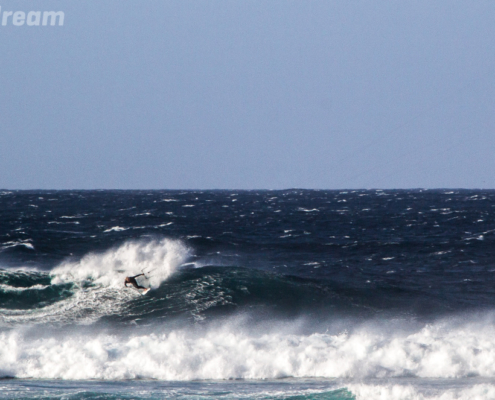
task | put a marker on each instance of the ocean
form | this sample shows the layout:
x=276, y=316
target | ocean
x=282, y=294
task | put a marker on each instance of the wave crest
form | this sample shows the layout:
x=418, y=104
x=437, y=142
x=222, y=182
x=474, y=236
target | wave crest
x=86, y=290
x=442, y=351
x=157, y=258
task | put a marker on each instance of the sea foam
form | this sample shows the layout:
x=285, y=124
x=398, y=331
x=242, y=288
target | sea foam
x=392, y=391
x=157, y=258
x=443, y=350
x=98, y=282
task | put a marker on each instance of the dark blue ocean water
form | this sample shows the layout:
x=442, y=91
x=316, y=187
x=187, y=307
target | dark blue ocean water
x=364, y=293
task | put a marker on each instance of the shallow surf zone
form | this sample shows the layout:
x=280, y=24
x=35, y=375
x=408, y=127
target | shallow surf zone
x=285, y=389
x=293, y=389
x=446, y=349
x=267, y=390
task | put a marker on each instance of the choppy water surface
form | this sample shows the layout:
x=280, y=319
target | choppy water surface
x=254, y=294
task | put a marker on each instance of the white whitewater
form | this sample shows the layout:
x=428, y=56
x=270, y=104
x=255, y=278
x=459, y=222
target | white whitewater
x=108, y=269
x=98, y=282
x=444, y=350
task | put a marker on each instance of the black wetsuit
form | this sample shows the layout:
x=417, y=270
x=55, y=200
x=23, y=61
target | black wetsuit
x=132, y=281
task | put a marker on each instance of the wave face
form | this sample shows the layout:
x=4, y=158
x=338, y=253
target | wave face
x=361, y=287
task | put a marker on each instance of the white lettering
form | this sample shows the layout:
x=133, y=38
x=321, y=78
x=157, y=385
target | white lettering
x=6, y=15
x=33, y=18
x=19, y=18
x=53, y=17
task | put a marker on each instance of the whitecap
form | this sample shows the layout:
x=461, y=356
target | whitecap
x=9, y=288
x=116, y=229
x=26, y=243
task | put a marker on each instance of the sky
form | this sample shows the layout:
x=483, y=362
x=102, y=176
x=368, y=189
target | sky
x=249, y=94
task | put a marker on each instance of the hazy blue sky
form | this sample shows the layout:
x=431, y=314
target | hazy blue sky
x=224, y=94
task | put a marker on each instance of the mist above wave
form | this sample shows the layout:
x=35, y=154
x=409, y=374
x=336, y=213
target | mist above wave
x=85, y=290
x=159, y=258
x=445, y=349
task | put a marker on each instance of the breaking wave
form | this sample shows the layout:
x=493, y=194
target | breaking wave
x=410, y=392
x=159, y=258
x=86, y=290
x=234, y=350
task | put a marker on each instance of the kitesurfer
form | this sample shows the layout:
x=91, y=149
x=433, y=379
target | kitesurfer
x=132, y=281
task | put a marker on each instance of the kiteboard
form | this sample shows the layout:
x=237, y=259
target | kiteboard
x=142, y=292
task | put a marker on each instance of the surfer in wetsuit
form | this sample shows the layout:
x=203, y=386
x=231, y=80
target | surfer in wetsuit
x=132, y=281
